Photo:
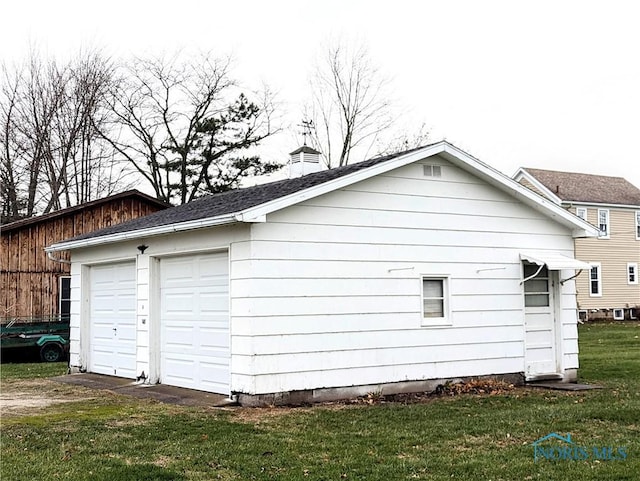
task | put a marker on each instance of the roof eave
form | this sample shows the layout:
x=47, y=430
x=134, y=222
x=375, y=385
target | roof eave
x=137, y=234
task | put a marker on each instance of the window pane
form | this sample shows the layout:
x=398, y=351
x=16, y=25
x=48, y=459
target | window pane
x=432, y=288
x=531, y=269
x=594, y=273
x=65, y=310
x=536, y=300
x=536, y=285
x=594, y=287
x=433, y=308
x=65, y=291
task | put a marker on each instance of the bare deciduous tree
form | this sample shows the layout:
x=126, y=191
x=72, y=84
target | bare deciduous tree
x=350, y=106
x=51, y=155
x=185, y=127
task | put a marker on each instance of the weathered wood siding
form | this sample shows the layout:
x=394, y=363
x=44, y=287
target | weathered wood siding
x=330, y=292
x=613, y=254
x=29, y=280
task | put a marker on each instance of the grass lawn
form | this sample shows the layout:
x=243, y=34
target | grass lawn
x=99, y=436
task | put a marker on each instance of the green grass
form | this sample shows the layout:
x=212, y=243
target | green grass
x=463, y=437
x=32, y=370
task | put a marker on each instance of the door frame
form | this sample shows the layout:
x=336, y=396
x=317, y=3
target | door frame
x=555, y=297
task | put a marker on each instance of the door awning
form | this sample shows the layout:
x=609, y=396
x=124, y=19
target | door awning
x=554, y=262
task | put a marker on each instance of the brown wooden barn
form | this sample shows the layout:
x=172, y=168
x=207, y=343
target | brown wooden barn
x=34, y=287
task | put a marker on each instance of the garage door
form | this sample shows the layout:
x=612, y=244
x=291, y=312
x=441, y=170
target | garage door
x=195, y=322
x=112, y=328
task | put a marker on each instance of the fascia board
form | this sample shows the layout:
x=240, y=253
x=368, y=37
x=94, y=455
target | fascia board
x=510, y=186
x=600, y=205
x=537, y=184
x=137, y=234
x=340, y=182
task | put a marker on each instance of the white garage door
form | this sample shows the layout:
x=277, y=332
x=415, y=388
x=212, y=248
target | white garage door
x=112, y=322
x=195, y=322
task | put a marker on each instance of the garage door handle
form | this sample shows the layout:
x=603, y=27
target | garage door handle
x=115, y=329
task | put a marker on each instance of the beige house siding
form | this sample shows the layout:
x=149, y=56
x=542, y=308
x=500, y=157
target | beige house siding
x=613, y=254
x=532, y=187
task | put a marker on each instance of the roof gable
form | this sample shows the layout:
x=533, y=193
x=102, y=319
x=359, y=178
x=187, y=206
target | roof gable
x=587, y=188
x=254, y=203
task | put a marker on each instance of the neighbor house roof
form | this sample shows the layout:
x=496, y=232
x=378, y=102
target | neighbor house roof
x=252, y=204
x=133, y=194
x=588, y=188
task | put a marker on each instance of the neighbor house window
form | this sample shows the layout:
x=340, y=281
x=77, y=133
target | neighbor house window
x=638, y=225
x=536, y=290
x=65, y=298
x=582, y=212
x=603, y=222
x=434, y=300
x=618, y=314
x=632, y=273
x=595, y=280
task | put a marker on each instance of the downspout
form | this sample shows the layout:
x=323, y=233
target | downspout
x=55, y=259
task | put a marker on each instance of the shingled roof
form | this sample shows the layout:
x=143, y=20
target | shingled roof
x=598, y=189
x=237, y=200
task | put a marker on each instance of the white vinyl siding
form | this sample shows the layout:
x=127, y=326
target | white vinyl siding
x=332, y=292
x=603, y=223
x=632, y=273
x=595, y=280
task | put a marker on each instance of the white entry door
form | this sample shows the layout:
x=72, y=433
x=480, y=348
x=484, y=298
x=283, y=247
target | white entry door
x=194, y=320
x=112, y=320
x=541, y=351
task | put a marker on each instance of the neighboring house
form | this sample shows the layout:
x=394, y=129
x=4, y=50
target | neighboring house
x=387, y=275
x=33, y=286
x=610, y=289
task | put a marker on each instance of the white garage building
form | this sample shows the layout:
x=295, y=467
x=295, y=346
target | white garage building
x=388, y=275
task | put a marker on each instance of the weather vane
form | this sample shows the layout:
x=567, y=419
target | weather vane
x=306, y=125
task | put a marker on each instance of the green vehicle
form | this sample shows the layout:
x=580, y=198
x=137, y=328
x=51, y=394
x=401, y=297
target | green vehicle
x=50, y=338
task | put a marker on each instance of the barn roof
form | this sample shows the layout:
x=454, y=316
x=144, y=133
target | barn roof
x=253, y=203
x=133, y=194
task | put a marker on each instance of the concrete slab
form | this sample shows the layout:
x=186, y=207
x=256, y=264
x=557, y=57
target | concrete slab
x=564, y=386
x=159, y=392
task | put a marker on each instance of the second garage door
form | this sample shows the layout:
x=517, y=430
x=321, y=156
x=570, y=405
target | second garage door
x=195, y=322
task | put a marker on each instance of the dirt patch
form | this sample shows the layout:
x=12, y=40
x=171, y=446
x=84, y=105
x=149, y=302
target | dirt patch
x=22, y=397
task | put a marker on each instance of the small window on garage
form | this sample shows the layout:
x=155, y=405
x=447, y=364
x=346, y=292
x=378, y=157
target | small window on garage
x=618, y=314
x=435, y=303
x=65, y=299
x=536, y=289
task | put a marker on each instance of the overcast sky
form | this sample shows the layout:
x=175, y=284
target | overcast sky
x=545, y=84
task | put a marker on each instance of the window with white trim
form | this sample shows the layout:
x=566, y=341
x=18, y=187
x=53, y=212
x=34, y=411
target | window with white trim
x=632, y=273
x=638, y=225
x=603, y=223
x=618, y=314
x=595, y=280
x=435, y=302
x=536, y=289
x=65, y=298
x=581, y=212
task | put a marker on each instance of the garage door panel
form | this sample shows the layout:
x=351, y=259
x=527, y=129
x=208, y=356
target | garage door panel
x=112, y=320
x=195, y=322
